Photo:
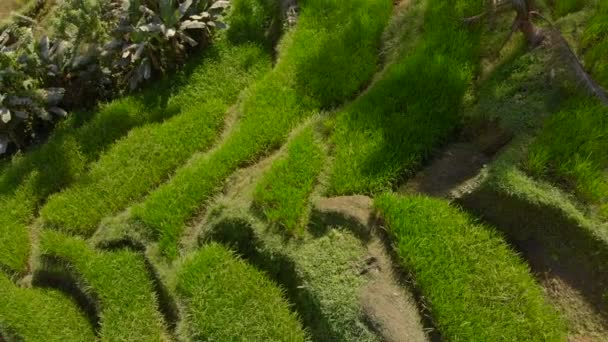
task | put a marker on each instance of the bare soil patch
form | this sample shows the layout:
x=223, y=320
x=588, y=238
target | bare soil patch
x=8, y=6
x=389, y=308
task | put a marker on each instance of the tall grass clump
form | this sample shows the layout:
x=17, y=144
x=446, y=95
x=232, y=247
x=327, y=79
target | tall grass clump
x=282, y=195
x=476, y=287
x=325, y=60
x=228, y=300
x=28, y=179
x=143, y=159
x=40, y=315
x=118, y=283
x=571, y=151
x=564, y=7
x=415, y=106
x=595, y=44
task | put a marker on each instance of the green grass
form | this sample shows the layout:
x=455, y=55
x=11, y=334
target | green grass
x=385, y=134
x=595, y=44
x=148, y=154
x=321, y=273
x=127, y=303
x=30, y=178
x=571, y=150
x=477, y=288
x=564, y=7
x=325, y=60
x=329, y=268
x=40, y=315
x=228, y=300
x=283, y=193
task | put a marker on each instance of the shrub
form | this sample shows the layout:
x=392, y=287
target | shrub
x=477, y=288
x=157, y=35
x=149, y=36
x=25, y=99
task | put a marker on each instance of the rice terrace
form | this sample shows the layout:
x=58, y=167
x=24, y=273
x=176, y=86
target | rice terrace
x=304, y=170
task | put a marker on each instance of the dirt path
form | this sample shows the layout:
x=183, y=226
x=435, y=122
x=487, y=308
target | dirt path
x=389, y=308
x=7, y=7
x=453, y=168
x=459, y=170
x=453, y=172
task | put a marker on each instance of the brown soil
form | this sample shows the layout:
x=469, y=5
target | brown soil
x=456, y=165
x=584, y=322
x=458, y=170
x=8, y=6
x=454, y=171
x=389, y=308
x=387, y=305
x=580, y=304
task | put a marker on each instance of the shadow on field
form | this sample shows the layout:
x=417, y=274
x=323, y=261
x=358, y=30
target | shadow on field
x=239, y=235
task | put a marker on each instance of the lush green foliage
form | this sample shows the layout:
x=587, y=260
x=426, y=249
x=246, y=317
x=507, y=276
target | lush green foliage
x=283, y=194
x=80, y=66
x=571, y=150
x=30, y=178
x=323, y=61
x=40, y=315
x=255, y=21
x=157, y=34
x=477, y=288
x=25, y=98
x=228, y=300
x=119, y=281
x=595, y=44
x=386, y=134
x=144, y=159
x=563, y=7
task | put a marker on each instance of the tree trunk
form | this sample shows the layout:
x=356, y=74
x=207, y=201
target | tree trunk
x=524, y=24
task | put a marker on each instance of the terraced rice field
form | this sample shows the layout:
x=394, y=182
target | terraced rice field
x=276, y=193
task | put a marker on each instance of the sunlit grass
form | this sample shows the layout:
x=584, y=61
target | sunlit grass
x=228, y=300
x=282, y=195
x=330, y=55
x=571, y=150
x=387, y=133
x=476, y=287
x=118, y=281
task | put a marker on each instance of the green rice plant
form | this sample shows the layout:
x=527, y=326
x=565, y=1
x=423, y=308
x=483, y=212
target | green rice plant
x=571, y=150
x=228, y=300
x=594, y=44
x=564, y=7
x=40, y=315
x=118, y=283
x=255, y=21
x=476, y=287
x=385, y=134
x=328, y=57
x=283, y=193
x=148, y=154
x=30, y=178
